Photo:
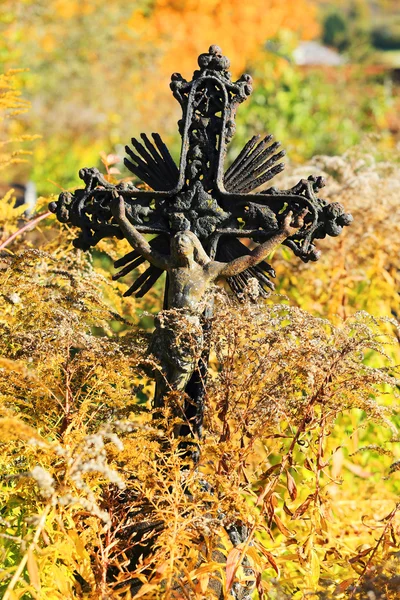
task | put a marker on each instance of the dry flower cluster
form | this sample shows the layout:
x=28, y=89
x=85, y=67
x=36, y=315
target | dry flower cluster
x=96, y=504
x=360, y=270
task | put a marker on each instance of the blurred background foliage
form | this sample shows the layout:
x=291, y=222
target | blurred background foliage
x=98, y=73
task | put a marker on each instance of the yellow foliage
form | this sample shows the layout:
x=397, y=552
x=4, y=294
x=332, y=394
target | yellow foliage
x=11, y=102
x=11, y=105
x=359, y=270
x=87, y=469
x=69, y=10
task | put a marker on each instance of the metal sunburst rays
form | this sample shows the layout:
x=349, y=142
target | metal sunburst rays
x=256, y=164
x=152, y=163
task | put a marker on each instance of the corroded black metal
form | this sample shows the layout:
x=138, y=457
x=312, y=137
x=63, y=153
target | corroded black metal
x=217, y=205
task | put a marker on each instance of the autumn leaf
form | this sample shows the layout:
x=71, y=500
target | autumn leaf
x=33, y=569
x=252, y=553
x=232, y=564
x=272, y=561
x=360, y=554
x=357, y=470
x=203, y=582
x=308, y=465
x=291, y=486
x=315, y=567
x=282, y=528
x=287, y=510
x=344, y=585
x=269, y=471
x=303, y=507
x=145, y=589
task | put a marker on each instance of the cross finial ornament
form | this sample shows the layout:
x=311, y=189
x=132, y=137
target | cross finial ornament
x=199, y=212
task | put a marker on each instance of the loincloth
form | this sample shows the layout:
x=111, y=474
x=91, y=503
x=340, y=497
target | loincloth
x=178, y=339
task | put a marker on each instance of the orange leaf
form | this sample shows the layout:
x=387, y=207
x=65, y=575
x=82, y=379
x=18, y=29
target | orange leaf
x=307, y=465
x=252, y=553
x=260, y=587
x=203, y=582
x=303, y=507
x=113, y=159
x=357, y=470
x=266, y=491
x=33, y=570
x=360, y=555
x=162, y=568
x=282, y=528
x=287, y=510
x=291, y=486
x=342, y=587
x=271, y=561
x=232, y=564
x=145, y=589
x=269, y=471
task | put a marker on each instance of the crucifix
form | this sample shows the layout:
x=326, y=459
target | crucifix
x=198, y=213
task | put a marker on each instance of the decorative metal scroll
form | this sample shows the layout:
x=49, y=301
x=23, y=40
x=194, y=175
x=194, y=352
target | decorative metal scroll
x=219, y=206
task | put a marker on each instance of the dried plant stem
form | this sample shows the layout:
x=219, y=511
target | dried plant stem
x=172, y=555
x=31, y=547
x=68, y=400
x=390, y=518
x=319, y=466
x=26, y=227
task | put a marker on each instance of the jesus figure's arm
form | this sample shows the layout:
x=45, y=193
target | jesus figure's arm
x=238, y=265
x=135, y=238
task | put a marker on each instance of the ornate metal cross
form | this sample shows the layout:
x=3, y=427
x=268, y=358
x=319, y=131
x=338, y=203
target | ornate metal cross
x=218, y=206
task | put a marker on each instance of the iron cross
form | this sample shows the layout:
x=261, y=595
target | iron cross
x=219, y=206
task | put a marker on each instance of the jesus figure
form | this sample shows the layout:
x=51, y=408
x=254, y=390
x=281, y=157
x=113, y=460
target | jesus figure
x=177, y=341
